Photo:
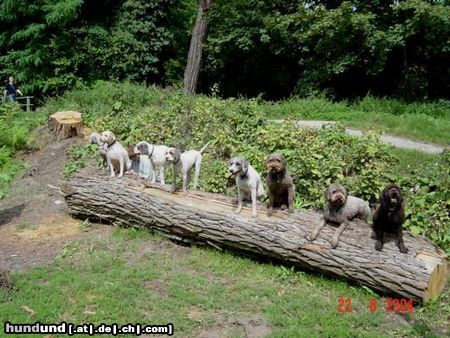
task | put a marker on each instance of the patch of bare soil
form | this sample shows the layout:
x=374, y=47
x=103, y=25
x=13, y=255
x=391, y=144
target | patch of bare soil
x=34, y=223
x=254, y=326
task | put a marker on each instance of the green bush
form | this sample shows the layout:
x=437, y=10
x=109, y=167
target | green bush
x=15, y=128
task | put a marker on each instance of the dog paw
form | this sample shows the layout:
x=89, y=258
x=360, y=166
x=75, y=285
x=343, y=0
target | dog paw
x=403, y=249
x=334, y=243
x=312, y=236
x=269, y=212
x=290, y=210
x=237, y=211
x=172, y=190
x=378, y=246
x=283, y=207
x=254, y=214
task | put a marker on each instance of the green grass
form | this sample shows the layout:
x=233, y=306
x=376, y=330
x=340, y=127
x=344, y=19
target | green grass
x=408, y=159
x=15, y=134
x=134, y=277
x=422, y=121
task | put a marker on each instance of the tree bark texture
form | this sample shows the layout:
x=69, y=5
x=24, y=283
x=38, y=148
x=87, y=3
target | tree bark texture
x=206, y=218
x=192, y=70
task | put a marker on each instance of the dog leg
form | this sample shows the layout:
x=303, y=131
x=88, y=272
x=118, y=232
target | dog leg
x=400, y=244
x=153, y=173
x=239, y=202
x=185, y=178
x=174, y=184
x=121, y=167
x=316, y=231
x=111, y=167
x=291, y=196
x=337, y=234
x=271, y=202
x=198, y=164
x=254, y=210
x=161, y=174
x=379, y=236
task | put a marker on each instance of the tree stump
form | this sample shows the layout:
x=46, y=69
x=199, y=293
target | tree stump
x=206, y=218
x=65, y=124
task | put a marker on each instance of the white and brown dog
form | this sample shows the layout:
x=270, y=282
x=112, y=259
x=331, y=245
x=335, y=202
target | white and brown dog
x=116, y=154
x=183, y=163
x=248, y=183
x=156, y=154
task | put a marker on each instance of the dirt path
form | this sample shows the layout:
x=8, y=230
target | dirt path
x=34, y=224
x=395, y=141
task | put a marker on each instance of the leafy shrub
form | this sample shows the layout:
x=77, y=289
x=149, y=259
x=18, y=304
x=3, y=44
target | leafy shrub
x=15, y=128
x=428, y=207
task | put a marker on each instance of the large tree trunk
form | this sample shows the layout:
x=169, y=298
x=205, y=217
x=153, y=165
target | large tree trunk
x=195, y=49
x=207, y=218
x=65, y=124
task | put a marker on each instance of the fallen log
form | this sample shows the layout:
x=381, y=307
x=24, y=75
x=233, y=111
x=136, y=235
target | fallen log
x=65, y=124
x=206, y=218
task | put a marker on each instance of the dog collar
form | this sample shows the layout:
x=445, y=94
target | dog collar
x=244, y=174
x=177, y=160
x=110, y=145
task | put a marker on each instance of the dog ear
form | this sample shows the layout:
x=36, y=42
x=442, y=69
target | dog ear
x=245, y=165
x=384, y=198
x=177, y=154
x=400, y=195
x=326, y=194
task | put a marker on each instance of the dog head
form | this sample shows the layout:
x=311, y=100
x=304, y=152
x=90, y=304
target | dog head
x=172, y=155
x=142, y=148
x=94, y=138
x=391, y=197
x=336, y=195
x=107, y=137
x=134, y=156
x=275, y=163
x=238, y=166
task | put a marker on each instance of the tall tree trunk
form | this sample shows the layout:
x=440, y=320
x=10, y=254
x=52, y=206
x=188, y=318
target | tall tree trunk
x=195, y=49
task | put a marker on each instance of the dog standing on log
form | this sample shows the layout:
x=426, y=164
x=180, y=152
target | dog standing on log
x=390, y=216
x=116, y=154
x=156, y=154
x=279, y=184
x=183, y=163
x=340, y=209
x=248, y=183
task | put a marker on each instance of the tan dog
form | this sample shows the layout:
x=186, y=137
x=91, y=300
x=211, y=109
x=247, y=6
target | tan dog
x=116, y=154
x=279, y=184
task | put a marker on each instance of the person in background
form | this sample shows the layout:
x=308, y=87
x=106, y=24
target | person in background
x=11, y=91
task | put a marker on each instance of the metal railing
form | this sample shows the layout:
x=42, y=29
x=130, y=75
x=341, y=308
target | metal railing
x=27, y=104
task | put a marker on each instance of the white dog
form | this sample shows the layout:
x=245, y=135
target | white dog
x=94, y=138
x=116, y=154
x=248, y=183
x=183, y=163
x=157, y=158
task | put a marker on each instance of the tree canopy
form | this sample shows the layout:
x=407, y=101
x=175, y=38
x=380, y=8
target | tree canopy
x=341, y=49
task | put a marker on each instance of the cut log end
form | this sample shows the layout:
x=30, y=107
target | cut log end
x=65, y=124
x=438, y=268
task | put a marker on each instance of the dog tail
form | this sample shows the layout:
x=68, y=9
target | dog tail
x=204, y=147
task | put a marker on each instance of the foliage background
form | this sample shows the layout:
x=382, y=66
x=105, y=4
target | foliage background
x=341, y=49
